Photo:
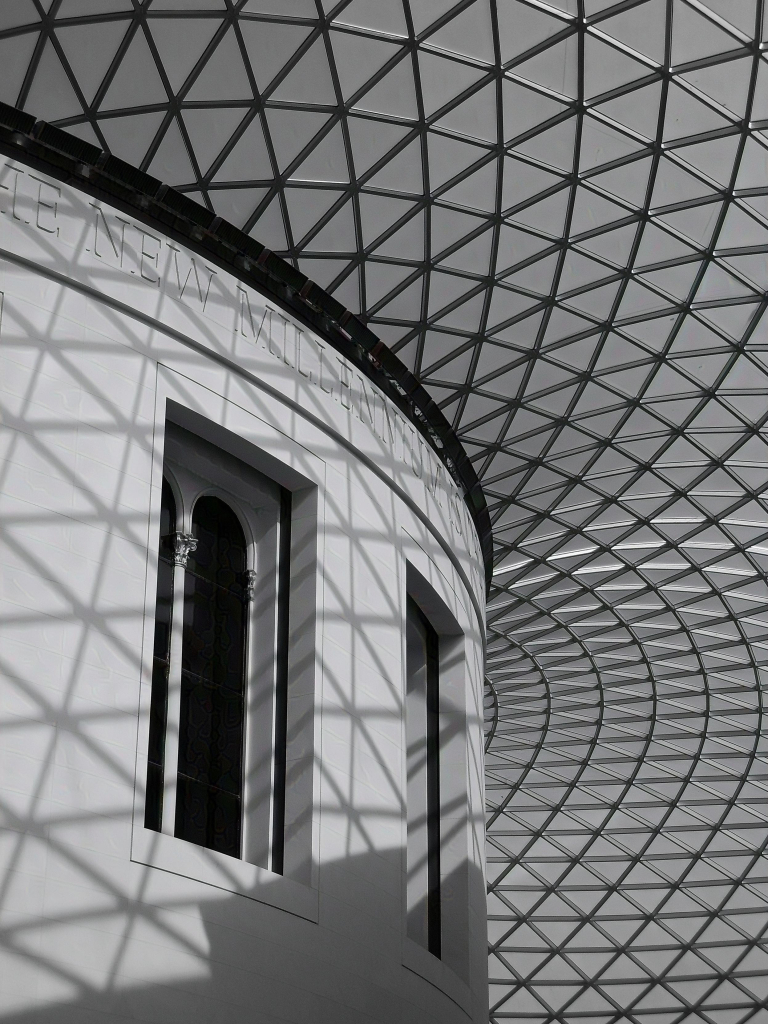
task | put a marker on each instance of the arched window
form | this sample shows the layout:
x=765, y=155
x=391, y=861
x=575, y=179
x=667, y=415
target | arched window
x=161, y=657
x=210, y=767
x=217, y=740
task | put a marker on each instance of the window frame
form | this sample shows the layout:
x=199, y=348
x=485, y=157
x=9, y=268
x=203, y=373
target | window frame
x=253, y=441
x=260, y=684
x=441, y=604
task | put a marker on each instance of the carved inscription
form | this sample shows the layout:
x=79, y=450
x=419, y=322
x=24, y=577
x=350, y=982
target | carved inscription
x=130, y=248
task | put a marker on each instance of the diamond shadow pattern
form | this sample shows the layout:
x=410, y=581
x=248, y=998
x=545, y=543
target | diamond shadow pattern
x=557, y=214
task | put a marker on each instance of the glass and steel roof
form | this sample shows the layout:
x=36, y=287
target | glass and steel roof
x=556, y=213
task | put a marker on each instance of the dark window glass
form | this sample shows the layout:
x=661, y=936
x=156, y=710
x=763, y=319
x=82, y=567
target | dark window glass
x=153, y=811
x=423, y=778
x=208, y=798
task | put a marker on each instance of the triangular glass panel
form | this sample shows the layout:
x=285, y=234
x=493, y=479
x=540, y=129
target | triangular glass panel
x=292, y=131
x=563, y=323
x=383, y=278
x=379, y=213
x=642, y=28
x=602, y=145
x=637, y=110
x=553, y=146
x=407, y=243
x=753, y=167
x=171, y=161
x=406, y=305
x=694, y=36
x=686, y=116
x=347, y=292
x=696, y=223
x=739, y=229
x=85, y=132
x=427, y=12
x=514, y=246
x=403, y=173
x=15, y=55
x=137, y=81
x=209, y=130
x=555, y=68
x=675, y=185
x=727, y=84
x=596, y=302
x=465, y=317
x=523, y=181
x=394, y=95
x=90, y=49
x=327, y=161
x=715, y=158
x=306, y=206
x=657, y=246
x=269, y=229
x=448, y=226
x=477, y=191
x=338, y=235
x=475, y=117
x=359, y=59
x=248, y=160
x=322, y=271
x=470, y=34
x=371, y=140
x=23, y=12
x=614, y=246
x=607, y=67
x=507, y=305
x=521, y=28
x=445, y=289
x=548, y=215
x=236, y=204
x=525, y=108
x=51, y=95
x=442, y=80
x=224, y=76
x=536, y=277
x=592, y=211
x=270, y=46
x=579, y=270
x=474, y=257
x=310, y=79
x=178, y=61
x=130, y=135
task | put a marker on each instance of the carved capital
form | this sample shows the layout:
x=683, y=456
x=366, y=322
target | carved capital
x=249, y=583
x=183, y=545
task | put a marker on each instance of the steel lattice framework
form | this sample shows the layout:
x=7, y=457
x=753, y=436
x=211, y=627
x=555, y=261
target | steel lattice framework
x=557, y=214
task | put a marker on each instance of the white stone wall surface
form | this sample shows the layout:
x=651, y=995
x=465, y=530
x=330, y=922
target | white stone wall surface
x=105, y=326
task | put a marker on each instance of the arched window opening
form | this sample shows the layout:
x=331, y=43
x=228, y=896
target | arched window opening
x=161, y=658
x=210, y=768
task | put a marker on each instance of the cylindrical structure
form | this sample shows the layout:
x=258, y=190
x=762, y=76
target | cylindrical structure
x=241, y=643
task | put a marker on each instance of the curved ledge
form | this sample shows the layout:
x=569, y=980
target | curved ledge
x=104, y=176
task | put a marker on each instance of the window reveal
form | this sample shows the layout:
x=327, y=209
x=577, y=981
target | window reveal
x=161, y=656
x=422, y=720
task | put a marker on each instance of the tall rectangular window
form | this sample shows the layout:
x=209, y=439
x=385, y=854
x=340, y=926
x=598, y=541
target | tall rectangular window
x=422, y=721
x=217, y=732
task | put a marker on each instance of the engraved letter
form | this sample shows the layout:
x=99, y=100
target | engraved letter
x=47, y=207
x=150, y=258
x=116, y=253
x=192, y=272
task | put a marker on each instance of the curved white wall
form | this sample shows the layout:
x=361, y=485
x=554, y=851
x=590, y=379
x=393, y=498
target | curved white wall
x=107, y=328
